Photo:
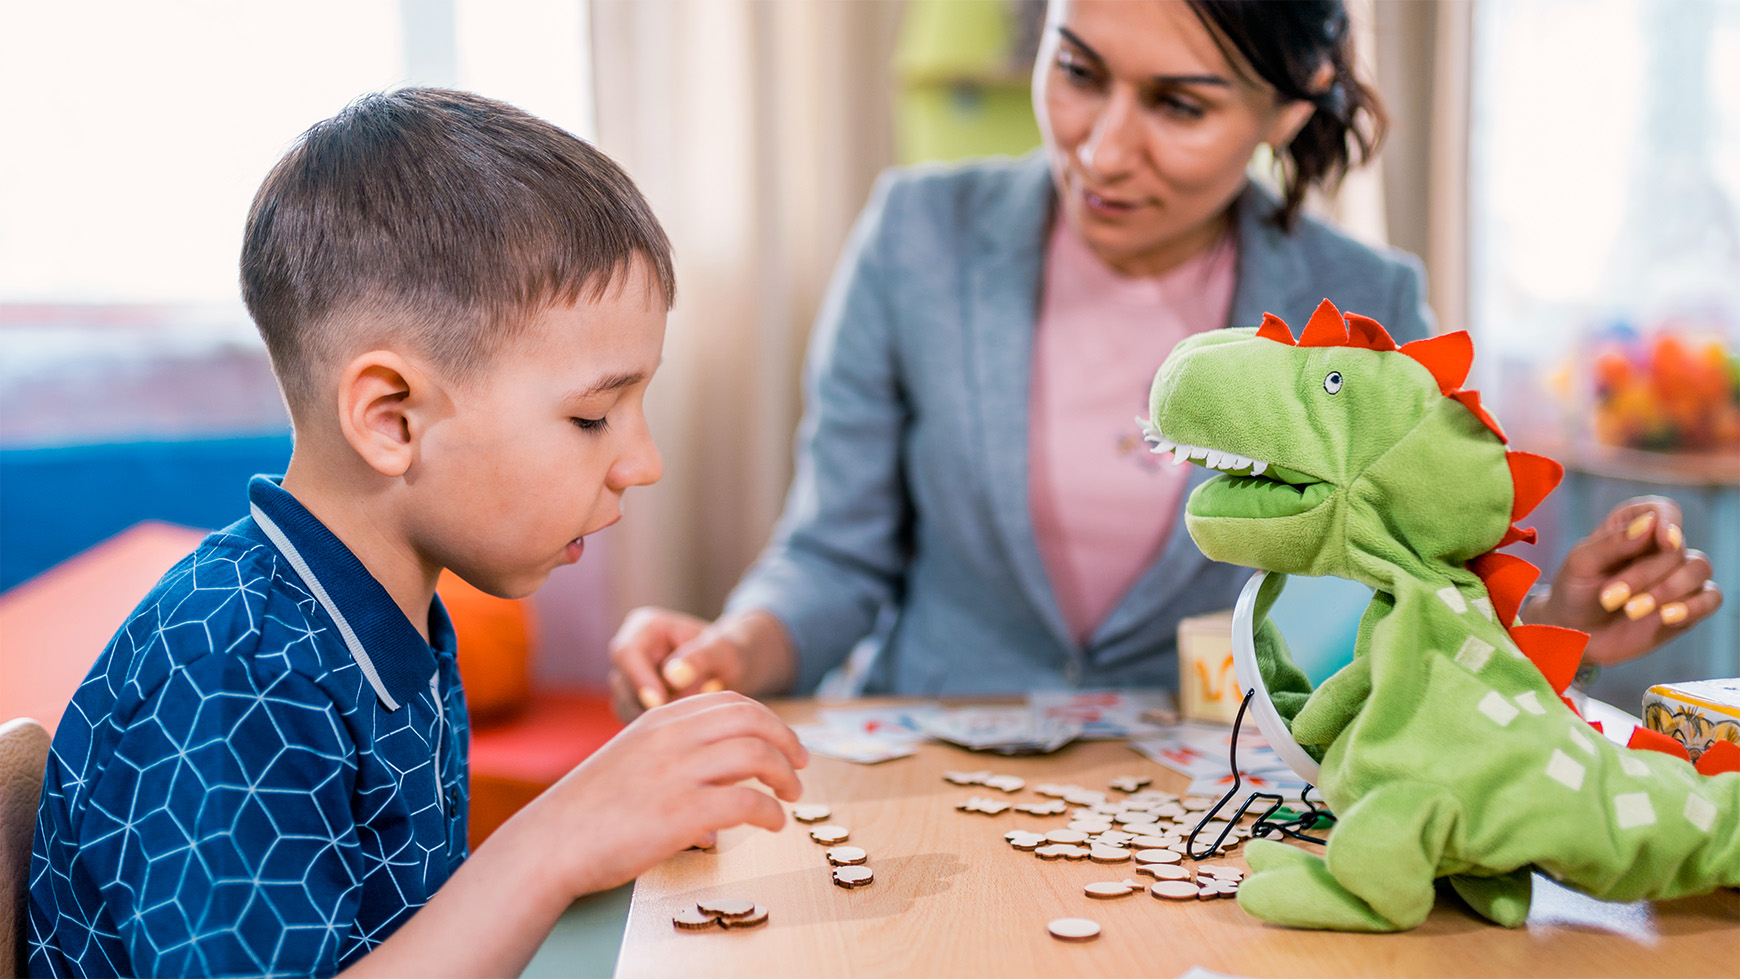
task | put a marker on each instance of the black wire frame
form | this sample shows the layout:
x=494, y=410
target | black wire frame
x=1263, y=826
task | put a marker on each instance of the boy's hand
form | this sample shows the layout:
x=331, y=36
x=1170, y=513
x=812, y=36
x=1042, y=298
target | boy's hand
x=668, y=781
x=1631, y=584
x=659, y=655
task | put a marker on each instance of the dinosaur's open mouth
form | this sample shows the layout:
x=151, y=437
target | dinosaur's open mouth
x=1252, y=488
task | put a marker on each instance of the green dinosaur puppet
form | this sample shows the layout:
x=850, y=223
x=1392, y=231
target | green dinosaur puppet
x=1447, y=748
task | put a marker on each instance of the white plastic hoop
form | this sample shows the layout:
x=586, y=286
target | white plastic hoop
x=1244, y=650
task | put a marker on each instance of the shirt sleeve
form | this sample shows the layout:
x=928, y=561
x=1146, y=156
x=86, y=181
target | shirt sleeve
x=840, y=549
x=221, y=833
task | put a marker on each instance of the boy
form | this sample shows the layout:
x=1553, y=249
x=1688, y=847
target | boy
x=265, y=771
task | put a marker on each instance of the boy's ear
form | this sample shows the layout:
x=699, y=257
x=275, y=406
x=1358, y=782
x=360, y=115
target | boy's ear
x=380, y=402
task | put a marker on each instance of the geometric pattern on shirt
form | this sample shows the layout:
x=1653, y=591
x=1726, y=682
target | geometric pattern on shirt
x=227, y=795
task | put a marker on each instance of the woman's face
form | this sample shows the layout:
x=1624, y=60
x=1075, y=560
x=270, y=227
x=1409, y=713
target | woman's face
x=1148, y=128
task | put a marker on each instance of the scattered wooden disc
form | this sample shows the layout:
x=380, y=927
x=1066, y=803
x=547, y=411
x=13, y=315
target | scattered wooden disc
x=1021, y=839
x=1005, y=783
x=692, y=920
x=967, y=778
x=810, y=813
x=1054, y=791
x=1165, y=871
x=1157, y=855
x=726, y=907
x=1107, y=889
x=1221, y=871
x=1072, y=836
x=830, y=834
x=1058, y=851
x=1053, y=808
x=1174, y=890
x=1148, y=842
x=1108, y=854
x=846, y=856
x=1074, y=929
x=1088, y=826
x=756, y=916
x=852, y=876
x=1197, y=803
x=1129, y=783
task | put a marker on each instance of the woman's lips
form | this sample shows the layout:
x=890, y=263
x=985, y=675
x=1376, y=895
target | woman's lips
x=1107, y=206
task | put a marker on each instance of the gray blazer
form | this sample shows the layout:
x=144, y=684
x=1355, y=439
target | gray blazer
x=910, y=492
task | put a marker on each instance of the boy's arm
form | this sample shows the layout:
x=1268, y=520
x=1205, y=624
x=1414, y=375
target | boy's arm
x=669, y=780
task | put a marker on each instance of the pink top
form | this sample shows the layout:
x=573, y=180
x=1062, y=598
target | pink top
x=1103, y=507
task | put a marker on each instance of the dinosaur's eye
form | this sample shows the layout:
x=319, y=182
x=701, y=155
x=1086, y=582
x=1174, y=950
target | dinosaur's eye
x=1332, y=383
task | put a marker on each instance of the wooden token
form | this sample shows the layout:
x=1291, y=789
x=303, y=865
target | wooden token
x=1088, y=826
x=1134, y=885
x=1021, y=839
x=1078, y=853
x=692, y=920
x=967, y=778
x=852, y=876
x=1083, y=797
x=725, y=907
x=1197, y=803
x=1108, y=854
x=1107, y=889
x=1054, y=791
x=810, y=813
x=1219, y=871
x=756, y=916
x=1157, y=855
x=830, y=834
x=1052, y=808
x=1129, y=783
x=1005, y=783
x=1071, y=836
x=1174, y=890
x=1148, y=842
x=1165, y=871
x=846, y=856
x=1074, y=929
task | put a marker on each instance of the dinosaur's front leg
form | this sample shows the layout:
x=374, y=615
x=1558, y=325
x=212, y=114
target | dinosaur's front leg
x=1377, y=873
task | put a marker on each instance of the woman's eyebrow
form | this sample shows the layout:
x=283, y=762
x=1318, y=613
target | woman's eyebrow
x=1095, y=56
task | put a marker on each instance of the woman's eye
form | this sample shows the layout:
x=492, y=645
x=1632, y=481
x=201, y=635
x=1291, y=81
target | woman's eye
x=1076, y=72
x=1173, y=105
x=1332, y=383
x=591, y=424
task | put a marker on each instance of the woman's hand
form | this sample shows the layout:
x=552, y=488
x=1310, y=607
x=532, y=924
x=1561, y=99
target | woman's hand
x=1631, y=584
x=659, y=655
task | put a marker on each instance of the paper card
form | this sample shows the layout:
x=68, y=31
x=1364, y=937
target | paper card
x=1106, y=714
x=897, y=723
x=823, y=740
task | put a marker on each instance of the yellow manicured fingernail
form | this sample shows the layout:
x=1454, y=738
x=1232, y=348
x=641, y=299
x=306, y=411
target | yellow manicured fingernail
x=679, y=674
x=650, y=698
x=1639, y=607
x=713, y=686
x=1637, y=528
x=1673, y=613
x=1614, y=595
x=1675, y=538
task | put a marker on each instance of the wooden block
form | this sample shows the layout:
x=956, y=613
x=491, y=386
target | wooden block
x=1208, y=687
x=1074, y=929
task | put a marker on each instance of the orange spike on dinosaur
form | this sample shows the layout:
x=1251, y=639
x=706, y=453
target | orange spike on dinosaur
x=1448, y=357
x=1533, y=477
x=1555, y=651
x=1363, y=331
x=1326, y=328
x=1508, y=579
x=1274, y=328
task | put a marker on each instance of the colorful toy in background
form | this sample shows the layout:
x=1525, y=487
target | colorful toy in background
x=1673, y=389
x=1702, y=715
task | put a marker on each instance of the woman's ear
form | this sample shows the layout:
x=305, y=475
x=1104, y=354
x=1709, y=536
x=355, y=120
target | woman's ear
x=380, y=397
x=1293, y=116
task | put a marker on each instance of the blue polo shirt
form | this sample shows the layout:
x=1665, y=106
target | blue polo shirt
x=264, y=772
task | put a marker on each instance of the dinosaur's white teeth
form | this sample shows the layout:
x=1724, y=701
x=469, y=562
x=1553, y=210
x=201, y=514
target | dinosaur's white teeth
x=1257, y=467
x=1212, y=458
x=1163, y=446
x=1197, y=452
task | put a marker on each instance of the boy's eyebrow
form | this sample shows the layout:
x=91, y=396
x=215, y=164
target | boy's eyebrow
x=606, y=384
x=1156, y=79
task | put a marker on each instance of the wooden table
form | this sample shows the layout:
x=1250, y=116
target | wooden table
x=951, y=898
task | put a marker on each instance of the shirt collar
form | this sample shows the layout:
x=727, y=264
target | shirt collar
x=391, y=653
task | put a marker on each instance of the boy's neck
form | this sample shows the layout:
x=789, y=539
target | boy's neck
x=352, y=511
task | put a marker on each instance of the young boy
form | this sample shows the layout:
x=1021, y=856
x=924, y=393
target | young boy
x=265, y=771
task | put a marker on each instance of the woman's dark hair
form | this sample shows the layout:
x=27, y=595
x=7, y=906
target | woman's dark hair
x=1286, y=44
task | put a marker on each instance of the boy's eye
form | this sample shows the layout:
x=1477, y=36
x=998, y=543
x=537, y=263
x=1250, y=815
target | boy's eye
x=591, y=424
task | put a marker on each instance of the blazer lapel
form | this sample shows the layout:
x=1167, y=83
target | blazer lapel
x=1005, y=275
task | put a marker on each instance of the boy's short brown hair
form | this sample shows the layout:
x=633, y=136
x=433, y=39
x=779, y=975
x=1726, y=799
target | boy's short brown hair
x=447, y=215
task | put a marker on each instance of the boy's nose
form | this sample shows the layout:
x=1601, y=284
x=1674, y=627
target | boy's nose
x=641, y=465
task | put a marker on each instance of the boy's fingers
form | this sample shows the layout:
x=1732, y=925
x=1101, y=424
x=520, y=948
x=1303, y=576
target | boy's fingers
x=739, y=759
x=734, y=805
x=731, y=715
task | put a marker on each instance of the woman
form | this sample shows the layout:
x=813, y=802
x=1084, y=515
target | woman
x=967, y=462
